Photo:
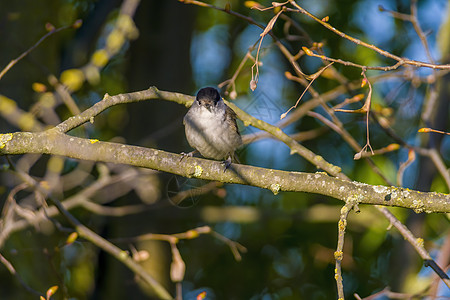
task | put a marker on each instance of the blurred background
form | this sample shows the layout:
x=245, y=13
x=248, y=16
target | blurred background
x=290, y=237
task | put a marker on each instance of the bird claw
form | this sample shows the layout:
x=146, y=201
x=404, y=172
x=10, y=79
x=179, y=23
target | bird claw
x=227, y=163
x=189, y=154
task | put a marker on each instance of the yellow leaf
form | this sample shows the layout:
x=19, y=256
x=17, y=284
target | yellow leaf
x=49, y=27
x=201, y=296
x=363, y=82
x=38, y=87
x=47, y=99
x=192, y=234
x=307, y=51
x=252, y=4
x=358, y=97
x=126, y=25
x=55, y=164
x=100, y=58
x=44, y=184
x=71, y=238
x=26, y=121
x=77, y=24
x=424, y=130
x=51, y=291
x=73, y=79
x=392, y=147
x=7, y=105
x=115, y=41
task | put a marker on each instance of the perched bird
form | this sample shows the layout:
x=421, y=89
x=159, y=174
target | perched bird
x=211, y=128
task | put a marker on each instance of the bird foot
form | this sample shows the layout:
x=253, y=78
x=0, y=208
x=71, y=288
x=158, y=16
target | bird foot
x=190, y=154
x=227, y=163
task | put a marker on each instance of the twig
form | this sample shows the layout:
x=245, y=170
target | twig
x=327, y=122
x=292, y=59
x=113, y=211
x=266, y=31
x=436, y=158
x=415, y=22
x=116, y=252
x=197, y=191
x=443, y=259
x=52, y=31
x=339, y=253
x=232, y=81
x=12, y=270
x=400, y=61
x=235, y=247
x=314, y=77
x=404, y=165
x=100, y=242
x=417, y=243
x=365, y=109
x=349, y=63
x=426, y=130
x=388, y=293
x=299, y=136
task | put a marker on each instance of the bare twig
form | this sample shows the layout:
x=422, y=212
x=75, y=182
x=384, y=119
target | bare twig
x=52, y=31
x=400, y=61
x=426, y=130
x=113, y=250
x=365, y=109
x=404, y=165
x=97, y=240
x=232, y=81
x=13, y=271
x=314, y=77
x=235, y=247
x=415, y=22
x=418, y=245
x=339, y=253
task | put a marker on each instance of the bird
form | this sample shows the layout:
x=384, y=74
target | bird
x=210, y=127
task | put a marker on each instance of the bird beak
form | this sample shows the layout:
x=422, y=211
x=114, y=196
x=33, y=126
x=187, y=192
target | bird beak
x=208, y=104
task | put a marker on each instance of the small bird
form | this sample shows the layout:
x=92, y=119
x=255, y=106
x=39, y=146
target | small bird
x=211, y=128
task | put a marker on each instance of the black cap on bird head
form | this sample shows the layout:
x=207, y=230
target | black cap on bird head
x=208, y=96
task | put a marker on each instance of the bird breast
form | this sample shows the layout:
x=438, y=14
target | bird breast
x=211, y=133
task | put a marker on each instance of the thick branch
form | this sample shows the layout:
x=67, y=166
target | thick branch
x=154, y=93
x=52, y=142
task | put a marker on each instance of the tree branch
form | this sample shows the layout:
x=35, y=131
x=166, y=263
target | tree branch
x=52, y=142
